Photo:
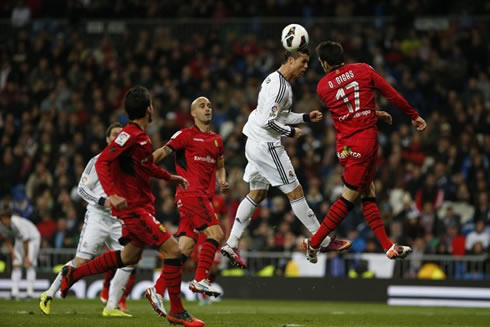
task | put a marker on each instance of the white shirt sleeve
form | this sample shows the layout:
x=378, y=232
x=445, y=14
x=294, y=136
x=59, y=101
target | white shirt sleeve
x=295, y=118
x=274, y=102
x=87, y=183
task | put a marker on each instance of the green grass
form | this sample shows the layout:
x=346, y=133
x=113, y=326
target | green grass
x=87, y=313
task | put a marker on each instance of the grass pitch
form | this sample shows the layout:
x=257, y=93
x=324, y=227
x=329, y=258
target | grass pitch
x=246, y=313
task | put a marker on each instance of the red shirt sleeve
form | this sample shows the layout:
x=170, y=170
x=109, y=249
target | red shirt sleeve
x=178, y=141
x=119, y=145
x=159, y=172
x=392, y=95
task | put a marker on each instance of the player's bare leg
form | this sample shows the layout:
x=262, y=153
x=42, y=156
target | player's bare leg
x=201, y=282
x=371, y=213
x=242, y=220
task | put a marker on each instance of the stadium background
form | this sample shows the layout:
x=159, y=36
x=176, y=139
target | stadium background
x=64, y=69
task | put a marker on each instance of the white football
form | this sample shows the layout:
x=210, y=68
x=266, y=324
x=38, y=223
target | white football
x=294, y=37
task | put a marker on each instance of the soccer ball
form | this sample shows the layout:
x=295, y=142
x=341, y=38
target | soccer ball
x=294, y=37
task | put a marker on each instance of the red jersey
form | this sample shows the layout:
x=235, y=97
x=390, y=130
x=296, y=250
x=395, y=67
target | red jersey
x=348, y=92
x=125, y=168
x=196, y=156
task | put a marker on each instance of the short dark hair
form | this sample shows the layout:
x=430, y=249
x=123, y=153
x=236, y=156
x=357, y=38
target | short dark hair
x=136, y=101
x=5, y=210
x=109, y=129
x=331, y=52
x=295, y=54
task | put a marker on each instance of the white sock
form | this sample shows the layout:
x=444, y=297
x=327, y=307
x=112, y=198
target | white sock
x=31, y=278
x=56, y=284
x=243, y=217
x=16, y=276
x=118, y=285
x=307, y=217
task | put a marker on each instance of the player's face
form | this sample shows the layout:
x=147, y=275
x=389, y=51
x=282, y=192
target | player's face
x=5, y=221
x=300, y=65
x=203, y=111
x=113, y=134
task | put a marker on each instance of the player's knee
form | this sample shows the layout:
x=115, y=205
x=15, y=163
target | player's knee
x=258, y=195
x=296, y=194
x=130, y=258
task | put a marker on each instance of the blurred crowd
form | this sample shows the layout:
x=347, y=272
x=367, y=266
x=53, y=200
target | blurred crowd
x=76, y=9
x=60, y=88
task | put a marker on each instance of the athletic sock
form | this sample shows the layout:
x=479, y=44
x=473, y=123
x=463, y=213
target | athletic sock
x=56, y=284
x=307, y=217
x=108, y=275
x=31, y=279
x=206, y=258
x=129, y=285
x=117, y=287
x=172, y=272
x=243, y=216
x=16, y=276
x=337, y=212
x=160, y=284
x=371, y=213
x=107, y=261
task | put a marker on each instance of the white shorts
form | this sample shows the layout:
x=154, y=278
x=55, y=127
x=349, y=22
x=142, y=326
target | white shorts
x=269, y=164
x=98, y=230
x=33, y=247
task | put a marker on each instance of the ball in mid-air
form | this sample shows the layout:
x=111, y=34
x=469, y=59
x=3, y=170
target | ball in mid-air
x=294, y=37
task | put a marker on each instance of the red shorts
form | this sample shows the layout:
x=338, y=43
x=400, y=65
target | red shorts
x=196, y=214
x=358, y=156
x=142, y=229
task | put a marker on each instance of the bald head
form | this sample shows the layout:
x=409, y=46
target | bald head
x=201, y=110
x=197, y=101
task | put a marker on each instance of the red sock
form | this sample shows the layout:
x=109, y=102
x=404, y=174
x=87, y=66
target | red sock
x=172, y=272
x=107, y=261
x=160, y=285
x=371, y=213
x=206, y=258
x=129, y=285
x=108, y=276
x=337, y=212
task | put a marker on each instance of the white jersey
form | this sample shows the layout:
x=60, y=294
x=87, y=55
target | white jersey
x=90, y=190
x=21, y=229
x=269, y=121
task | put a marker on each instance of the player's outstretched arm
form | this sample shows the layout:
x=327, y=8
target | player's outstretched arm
x=419, y=123
x=221, y=175
x=179, y=181
x=161, y=153
x=384, y=116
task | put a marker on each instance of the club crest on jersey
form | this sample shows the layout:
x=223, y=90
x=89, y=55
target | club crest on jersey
x=162, y=229
x=274, y=111
x=85, y=180
x=216, y=143
x=122, y=138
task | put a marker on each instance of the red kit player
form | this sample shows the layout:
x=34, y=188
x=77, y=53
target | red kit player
x=348, y=92
x=125, y=168
x=199, y=159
